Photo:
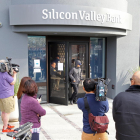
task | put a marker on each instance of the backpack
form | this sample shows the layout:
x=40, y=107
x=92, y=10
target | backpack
x=99, y=124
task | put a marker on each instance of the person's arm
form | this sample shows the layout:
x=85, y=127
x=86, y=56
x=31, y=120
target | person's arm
x=113, y=109
x=51, y=71
x=57, y=74
x=107, y=107
x=36, y=107
x=80, y=103
x=71, y=75
x=80, y=75
x=117, y=102
x=14, y=76
x=9, y=78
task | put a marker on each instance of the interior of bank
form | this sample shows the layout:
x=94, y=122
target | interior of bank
x=43, y=50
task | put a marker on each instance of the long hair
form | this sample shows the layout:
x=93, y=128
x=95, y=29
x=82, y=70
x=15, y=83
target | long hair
x=20, y=90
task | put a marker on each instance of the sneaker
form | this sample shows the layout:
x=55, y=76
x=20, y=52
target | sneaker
x=71, y=102
x=7, y=130
x=10, y=126
x=75, y=102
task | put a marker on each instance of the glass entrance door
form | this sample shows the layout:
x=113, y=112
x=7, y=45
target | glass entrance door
x=58, y=88
x=79, y=51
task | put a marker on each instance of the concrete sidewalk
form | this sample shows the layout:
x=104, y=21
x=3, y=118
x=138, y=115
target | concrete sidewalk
x=64, y=123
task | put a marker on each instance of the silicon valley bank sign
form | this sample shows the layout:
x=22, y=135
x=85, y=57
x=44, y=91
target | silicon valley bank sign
x=82, y=15
x=56, y=14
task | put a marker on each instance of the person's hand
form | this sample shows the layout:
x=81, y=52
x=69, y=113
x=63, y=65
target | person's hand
x=37, y=115
x=14, y=72
x=74, y=81
x=39, y=100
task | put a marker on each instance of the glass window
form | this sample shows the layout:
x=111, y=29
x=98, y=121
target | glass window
x=97, y=58
x=37, y=58
x=37, y=63
x=79, y=53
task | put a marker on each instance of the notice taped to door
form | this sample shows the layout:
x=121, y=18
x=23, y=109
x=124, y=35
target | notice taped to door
x=60, y=66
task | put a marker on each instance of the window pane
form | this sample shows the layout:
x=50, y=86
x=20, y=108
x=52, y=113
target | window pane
x=97, y=58
x=79, y=53
x=37, y=63
x=37, y=58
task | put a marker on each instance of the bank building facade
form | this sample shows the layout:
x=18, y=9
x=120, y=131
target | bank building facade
x=102, y=34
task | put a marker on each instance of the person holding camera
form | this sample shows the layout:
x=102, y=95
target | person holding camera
x=97, y=108
x=75, y=76
x=31, y=110
x=126, y=111
x=7, y=102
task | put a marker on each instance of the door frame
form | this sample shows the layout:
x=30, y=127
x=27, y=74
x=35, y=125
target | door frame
x=67, y=40
x=58, y=100
x=87, y=58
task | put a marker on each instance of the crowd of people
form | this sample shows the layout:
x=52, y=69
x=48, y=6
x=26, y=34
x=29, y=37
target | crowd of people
x=30, y=109
x=126, y=110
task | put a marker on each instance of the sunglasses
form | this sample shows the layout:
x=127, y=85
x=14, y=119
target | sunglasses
x=131, y=79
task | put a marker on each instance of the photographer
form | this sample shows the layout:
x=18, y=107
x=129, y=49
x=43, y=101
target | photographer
x=7, y=102
x=97, y=108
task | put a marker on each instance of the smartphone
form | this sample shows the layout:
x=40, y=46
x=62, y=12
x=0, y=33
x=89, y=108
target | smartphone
x=39, y=96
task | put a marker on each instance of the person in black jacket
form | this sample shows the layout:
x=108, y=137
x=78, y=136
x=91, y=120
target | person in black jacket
x=126, y=111
x=54, y=74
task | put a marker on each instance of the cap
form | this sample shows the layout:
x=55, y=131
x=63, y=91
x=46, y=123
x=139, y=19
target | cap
x=78, y=62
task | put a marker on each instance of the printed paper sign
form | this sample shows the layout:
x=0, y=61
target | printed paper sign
x=37, y=70
x=37, y=63
x=60, y=66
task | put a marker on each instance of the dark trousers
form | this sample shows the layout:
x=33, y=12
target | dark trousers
x=35, y=136
x=74, y=95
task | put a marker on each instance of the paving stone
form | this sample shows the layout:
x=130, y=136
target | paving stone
x=64, y=123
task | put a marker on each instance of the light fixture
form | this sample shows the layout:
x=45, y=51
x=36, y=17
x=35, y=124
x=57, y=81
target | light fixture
x=0, y=24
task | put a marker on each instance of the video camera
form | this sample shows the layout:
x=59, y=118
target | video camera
x=101, y=89
x=22, y=133
x=8, y=67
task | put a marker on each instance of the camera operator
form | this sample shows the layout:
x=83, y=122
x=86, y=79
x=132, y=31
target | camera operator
x=97, y=109
x=7, y=102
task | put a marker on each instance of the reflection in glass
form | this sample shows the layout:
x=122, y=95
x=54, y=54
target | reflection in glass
x=37, y=62
x=37, y=58
x=97, y=58
x=57, y=70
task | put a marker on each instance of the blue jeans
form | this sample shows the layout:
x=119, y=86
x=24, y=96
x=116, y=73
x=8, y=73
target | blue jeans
x=35, y=136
